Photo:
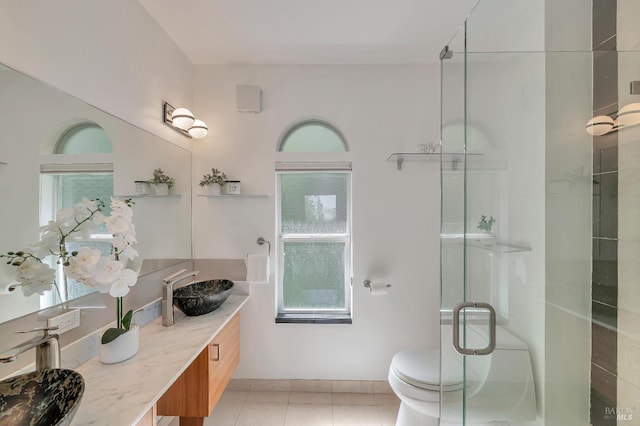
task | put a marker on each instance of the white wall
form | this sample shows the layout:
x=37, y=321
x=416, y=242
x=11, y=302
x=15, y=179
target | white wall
x=380, y=110
x=111, y=54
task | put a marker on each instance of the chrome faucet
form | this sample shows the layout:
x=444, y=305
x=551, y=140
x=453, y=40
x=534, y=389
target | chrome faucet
x=47, y=349
x=168, y=318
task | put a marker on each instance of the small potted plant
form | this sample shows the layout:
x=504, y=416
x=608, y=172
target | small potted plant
x=213, y=181
x=162, y=183
x=485, y=225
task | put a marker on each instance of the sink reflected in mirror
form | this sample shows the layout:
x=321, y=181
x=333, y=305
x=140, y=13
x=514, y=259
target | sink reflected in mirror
x=202, y=297
x=46, y=397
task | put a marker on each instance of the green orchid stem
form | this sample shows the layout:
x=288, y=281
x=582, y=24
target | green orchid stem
x=119, y=311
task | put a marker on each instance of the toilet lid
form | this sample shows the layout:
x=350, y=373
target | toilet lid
x=422, y=369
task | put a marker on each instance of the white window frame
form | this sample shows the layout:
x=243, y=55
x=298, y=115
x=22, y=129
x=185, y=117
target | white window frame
x=50, y=190
x=313, y=167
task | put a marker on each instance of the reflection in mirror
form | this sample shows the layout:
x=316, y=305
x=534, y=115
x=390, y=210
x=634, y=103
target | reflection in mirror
x=56, y=150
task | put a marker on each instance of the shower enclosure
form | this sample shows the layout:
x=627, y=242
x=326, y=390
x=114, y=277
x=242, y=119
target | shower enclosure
x=540, y=219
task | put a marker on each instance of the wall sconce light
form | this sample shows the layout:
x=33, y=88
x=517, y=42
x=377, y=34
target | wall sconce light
x=183, y=121
x=629, y=115
x=600, y=125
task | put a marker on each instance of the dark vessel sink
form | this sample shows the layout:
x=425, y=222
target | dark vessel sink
x=47, y=397
x=202, y=297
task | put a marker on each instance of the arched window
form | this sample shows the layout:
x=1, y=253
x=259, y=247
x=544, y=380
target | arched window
x=85, y=138
x=313, y=227
x=64, y=183
x=313, y=136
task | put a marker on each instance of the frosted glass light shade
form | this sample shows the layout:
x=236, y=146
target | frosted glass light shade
x=599, y=125
x=629, y=115
x=182, y=118
x=199, y=129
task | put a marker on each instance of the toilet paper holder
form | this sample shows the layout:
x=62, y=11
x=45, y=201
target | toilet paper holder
x=260, y=241
x=367, y=284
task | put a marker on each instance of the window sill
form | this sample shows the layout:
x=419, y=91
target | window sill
x=313, y=319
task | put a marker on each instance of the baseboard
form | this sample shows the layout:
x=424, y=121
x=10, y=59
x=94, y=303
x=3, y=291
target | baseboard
x=299, y=385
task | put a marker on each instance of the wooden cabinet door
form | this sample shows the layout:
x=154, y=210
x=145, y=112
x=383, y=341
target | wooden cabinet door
x=199, y=388
x=224, y=357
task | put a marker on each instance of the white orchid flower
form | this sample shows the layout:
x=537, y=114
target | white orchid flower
x=120, y=208
x=87, y=257
x=106, y=270
x=130, y=253
x=118, y=224
x=84, y=208
x=80, y=273
x=35, y=276
x=125, y=279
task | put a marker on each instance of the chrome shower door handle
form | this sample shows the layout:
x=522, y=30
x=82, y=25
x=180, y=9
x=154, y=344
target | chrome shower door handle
x=456, y=328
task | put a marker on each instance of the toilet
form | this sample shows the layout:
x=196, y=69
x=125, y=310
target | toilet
x=499, y=387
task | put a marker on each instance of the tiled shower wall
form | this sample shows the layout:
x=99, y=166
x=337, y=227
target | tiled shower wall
x=604, y=288
x=615, y=367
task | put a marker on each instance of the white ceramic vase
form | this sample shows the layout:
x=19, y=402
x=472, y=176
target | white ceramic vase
x=161, y=189
x=122, y=348
x=214, y=189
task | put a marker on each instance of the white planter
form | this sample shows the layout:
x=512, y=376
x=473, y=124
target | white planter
x=161, y=189
x=232, y=187
x=123, y=348
x=214, y=189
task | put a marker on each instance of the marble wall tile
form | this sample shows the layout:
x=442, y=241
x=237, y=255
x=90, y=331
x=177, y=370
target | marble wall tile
x=604, y=273
x=604, y=24
x=628, y=145
x=601, y=410
x=605, y=205
x=603, y=382
x=605, y=150
x=604, y=347
x=605, y=81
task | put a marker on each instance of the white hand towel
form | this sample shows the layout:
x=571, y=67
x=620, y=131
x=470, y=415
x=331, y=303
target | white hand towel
x=257, y=268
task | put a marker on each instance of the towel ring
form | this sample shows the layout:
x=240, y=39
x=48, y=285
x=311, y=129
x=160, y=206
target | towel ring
x=261, y=241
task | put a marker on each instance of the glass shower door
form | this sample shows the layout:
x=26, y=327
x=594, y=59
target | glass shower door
x=472, y=181
x=453, y=220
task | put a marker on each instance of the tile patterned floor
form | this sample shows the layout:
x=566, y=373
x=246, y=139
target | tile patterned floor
x=268, y=408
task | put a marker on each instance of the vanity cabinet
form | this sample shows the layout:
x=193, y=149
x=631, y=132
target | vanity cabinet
x=196, y=392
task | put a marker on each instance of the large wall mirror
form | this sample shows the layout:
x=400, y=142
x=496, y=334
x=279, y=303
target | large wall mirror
x=46, y=164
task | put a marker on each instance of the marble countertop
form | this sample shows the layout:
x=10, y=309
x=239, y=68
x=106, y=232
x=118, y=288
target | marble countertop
x=121, y=394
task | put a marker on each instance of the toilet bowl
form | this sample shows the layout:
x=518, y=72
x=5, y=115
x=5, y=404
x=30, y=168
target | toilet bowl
x=497, y=387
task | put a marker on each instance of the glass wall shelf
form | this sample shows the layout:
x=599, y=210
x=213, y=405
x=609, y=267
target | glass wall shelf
x=452, y=158
x=148, y=196
x=233, y=195
x=484, y=241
